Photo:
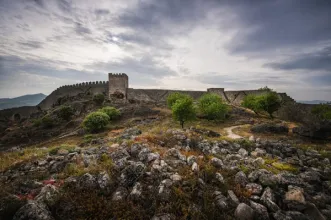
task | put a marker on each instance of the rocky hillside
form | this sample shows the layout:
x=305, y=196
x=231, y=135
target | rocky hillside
x=145, y=167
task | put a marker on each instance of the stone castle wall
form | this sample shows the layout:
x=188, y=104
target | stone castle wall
x=156, y=95
x=118, y=85
x=73, y=90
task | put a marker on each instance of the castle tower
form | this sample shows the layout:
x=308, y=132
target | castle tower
x=118, y=84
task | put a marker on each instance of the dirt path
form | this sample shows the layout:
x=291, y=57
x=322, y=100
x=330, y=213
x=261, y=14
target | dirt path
x=231, y=134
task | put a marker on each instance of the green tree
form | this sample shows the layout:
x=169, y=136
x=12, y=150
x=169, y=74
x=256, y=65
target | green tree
x=99, y=99
x=322, y=111
x=251, y=102
x=269, y=102
x=65, y=112
x=212, y=107
x=47, y=121
x=183, y=110
x=112, y=112
x=96, y=121
x=173, y=97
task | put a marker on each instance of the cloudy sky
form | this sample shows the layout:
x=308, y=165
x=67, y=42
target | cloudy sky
x=178, y=44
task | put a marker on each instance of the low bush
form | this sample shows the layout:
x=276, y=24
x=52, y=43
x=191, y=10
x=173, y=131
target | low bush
x=95, y=121
x=47, y=121
x=322, y=111
x=65, y=112
x=99, y=99
x=211, y=106
x=112, y=112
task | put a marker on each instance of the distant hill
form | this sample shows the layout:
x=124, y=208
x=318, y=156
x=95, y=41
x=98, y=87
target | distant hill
x=314, y=102
x=26, y=100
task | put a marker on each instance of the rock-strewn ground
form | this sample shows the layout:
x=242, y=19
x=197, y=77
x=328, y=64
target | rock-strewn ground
x=168, y=174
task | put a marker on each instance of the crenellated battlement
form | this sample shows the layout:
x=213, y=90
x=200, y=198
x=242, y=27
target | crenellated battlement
x=118, y=75
x=84, y=84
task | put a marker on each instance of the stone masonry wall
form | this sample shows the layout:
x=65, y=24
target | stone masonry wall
x=156, y=95
x=73, y=90
x=118, y=83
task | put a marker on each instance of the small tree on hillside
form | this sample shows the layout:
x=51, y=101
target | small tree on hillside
x=183, y=110
x=212, y=107
x=173, y=97
x=269, y=102
x=251, y=102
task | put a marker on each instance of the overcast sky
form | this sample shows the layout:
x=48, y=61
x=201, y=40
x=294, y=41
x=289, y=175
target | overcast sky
x=175, y=44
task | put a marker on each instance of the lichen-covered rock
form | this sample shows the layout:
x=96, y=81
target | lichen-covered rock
x=241, y=178
x=295, y=199
x=47, y=195
x=254, y=188
x=244, y=212
x=221, y=201
x=87, y=181
x=33, y=210
x=268, y=199
x=232, y=198
x=260, y=211
x=218, y=163
x=131, y=173
x=219, y=178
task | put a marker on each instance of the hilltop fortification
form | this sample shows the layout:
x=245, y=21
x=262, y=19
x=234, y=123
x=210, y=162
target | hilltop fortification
x=116, y=89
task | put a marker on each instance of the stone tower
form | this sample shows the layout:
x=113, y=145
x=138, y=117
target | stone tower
x=118, y=84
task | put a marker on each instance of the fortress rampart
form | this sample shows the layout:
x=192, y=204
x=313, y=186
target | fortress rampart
x=117, y=89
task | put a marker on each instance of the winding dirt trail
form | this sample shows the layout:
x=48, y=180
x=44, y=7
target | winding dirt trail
x=231, y=134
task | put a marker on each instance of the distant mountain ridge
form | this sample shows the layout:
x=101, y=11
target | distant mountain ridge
x=314, y=102
x=25, y=100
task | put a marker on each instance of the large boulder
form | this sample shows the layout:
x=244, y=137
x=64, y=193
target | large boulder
x=33, y=210
x=244, y=212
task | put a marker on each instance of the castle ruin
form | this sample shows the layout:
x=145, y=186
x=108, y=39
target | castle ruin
x=117, y=89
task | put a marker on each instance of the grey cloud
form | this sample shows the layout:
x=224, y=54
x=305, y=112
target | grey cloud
x=279, y=24
x=31, y=44
x=313, y=61
x=64, y=5
x=80, y=29
x=12, y=65
x=101, y=11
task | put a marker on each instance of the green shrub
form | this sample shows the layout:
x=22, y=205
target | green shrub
x=322, y=111
x=112, y=112
x=37, y=122
x=65, y=112
x=269, y=102
x=47, y=121
x=183, y=110
x=173, y=97
x=251, y=102
x=212, y=107
x=96, y=121
x=99, y=99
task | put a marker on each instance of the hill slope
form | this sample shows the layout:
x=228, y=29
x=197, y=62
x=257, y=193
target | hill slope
x=26, y=100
